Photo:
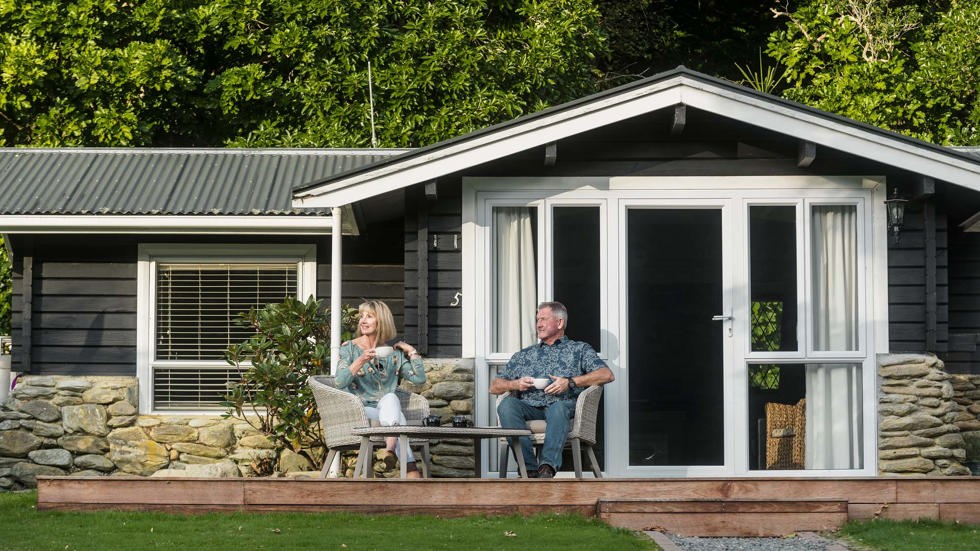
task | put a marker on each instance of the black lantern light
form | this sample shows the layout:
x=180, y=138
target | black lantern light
x=896, y=213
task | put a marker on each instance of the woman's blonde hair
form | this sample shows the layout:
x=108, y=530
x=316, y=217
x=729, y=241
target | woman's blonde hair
x=381, y=312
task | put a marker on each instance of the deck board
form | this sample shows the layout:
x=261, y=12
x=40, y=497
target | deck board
x=707, y=507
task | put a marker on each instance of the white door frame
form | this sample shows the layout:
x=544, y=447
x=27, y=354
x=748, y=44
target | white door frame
x=732, y=195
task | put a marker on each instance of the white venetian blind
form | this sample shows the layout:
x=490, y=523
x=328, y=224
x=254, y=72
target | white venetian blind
x=197, y=305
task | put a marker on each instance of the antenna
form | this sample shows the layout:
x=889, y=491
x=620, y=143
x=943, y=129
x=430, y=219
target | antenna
x=374, y=138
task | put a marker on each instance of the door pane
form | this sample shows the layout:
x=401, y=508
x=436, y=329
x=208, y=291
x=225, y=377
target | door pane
x=810, y=419
x=514, y=278
x=576, y=270
x=674, y=272
x=772, y=249
x=834, y=275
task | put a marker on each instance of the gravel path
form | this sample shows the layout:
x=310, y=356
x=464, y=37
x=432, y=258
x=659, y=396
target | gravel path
x=803, y=542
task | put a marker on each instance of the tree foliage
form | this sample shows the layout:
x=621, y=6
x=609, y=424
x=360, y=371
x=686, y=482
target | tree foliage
x=711, y=36
x=261, y=73
x=912, y=67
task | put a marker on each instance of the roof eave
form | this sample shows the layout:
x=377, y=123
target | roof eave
x=174, y=224
x=685, y=88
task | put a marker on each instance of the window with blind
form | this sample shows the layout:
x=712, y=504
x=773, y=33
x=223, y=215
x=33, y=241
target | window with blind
x=197, y=306
x=194, y=301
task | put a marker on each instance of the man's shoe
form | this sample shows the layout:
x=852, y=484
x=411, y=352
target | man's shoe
x=546, y=471
x=532, y=473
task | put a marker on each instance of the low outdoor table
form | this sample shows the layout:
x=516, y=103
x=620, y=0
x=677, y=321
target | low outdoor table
x=404, y=432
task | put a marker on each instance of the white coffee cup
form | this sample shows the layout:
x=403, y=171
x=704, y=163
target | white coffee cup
x=383, y=351
x=541, y=383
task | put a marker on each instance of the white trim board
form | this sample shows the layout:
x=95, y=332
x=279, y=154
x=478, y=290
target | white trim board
x=686, y=88
x=166, y=224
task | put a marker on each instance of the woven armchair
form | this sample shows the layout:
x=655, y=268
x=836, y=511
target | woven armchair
x=340, y=411
x=581, y=433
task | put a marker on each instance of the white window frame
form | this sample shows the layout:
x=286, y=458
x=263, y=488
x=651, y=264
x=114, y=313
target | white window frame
x=150, y=255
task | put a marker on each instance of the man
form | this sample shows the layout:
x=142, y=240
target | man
x=570, y=365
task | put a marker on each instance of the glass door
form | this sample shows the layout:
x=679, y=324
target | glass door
x=677, y=326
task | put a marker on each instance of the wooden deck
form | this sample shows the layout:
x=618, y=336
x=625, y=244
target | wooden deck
x=705, y=507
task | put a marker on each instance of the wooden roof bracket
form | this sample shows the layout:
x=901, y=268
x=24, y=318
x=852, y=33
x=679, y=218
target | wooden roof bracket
x=924, y=187
x=806, y=154
x=551, y=154
x=680, y=120
x=432, y=190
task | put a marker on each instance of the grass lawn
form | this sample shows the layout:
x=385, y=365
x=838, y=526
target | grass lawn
x=23, y=528
x=919, y=535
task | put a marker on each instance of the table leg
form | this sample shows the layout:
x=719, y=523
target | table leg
x=515, y=446
x=403, y=460
x=364, y=465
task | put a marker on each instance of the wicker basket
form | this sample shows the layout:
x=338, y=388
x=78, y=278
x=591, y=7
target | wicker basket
x=785, y=435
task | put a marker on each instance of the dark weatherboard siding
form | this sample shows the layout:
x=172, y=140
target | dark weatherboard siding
x=83, y=299
x=433, y=237
x=82, y=318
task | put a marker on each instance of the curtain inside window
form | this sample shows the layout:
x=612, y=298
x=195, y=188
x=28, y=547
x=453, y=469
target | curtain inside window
x=833, y=391
x=513, y=278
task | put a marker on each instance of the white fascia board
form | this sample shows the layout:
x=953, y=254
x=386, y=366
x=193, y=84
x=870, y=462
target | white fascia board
x=803, y=125
x=491, y=146
x=747, y=108
x=238, y=225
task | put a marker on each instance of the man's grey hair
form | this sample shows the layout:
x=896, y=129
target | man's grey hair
x=557, y=309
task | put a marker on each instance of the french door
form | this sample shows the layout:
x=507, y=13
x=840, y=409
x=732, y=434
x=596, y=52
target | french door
x=678, y=304
x=716, y=302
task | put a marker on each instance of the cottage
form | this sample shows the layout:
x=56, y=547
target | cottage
x=728, y=253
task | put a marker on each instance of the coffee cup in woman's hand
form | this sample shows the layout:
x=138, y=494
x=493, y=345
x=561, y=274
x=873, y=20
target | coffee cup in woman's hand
x=383, y=351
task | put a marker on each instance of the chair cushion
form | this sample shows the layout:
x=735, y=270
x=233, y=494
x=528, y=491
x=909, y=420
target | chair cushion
x=537, y=426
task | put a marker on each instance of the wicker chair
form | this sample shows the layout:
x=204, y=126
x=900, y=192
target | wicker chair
x=340, y=411
x=581, y=433
x=785, y=435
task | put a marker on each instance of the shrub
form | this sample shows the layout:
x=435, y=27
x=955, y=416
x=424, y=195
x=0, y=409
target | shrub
x=291, y=342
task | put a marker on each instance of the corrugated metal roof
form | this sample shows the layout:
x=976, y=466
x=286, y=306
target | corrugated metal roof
x=87, y=181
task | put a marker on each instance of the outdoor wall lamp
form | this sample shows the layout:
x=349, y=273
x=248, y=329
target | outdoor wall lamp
x=896, y=213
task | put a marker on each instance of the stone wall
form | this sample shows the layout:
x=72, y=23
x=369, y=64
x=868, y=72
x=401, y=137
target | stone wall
x=966, y=393
x=920, y=417
x=87, y=426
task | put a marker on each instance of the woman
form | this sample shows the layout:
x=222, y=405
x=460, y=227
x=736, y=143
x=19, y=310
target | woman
x=373, y=379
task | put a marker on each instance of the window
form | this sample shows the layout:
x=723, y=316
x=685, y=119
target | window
x=190, y=300
x=805, y=414
x=573, y=273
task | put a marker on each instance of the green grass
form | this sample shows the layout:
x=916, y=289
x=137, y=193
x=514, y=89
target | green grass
x=23, y=528
x=919, y=535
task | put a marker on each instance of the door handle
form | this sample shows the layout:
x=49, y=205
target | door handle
x=720, y=317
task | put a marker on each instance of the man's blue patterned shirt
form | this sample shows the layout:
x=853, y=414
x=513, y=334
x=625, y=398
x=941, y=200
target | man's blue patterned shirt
x=565, y=358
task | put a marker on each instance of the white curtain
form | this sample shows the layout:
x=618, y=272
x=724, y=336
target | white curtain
x=514, y=280
x=833, y=391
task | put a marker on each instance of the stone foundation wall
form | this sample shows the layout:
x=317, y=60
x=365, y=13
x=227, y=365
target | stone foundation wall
x=920, y=417
x=929, y=424
x=88, y=426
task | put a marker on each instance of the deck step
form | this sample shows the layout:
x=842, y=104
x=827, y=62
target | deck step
x=713, y=517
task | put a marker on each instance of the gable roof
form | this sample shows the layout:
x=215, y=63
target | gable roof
x=680, y=86
x=98, y=189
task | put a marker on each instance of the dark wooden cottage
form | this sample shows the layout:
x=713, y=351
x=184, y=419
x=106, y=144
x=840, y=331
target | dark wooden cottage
x=721, y=248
